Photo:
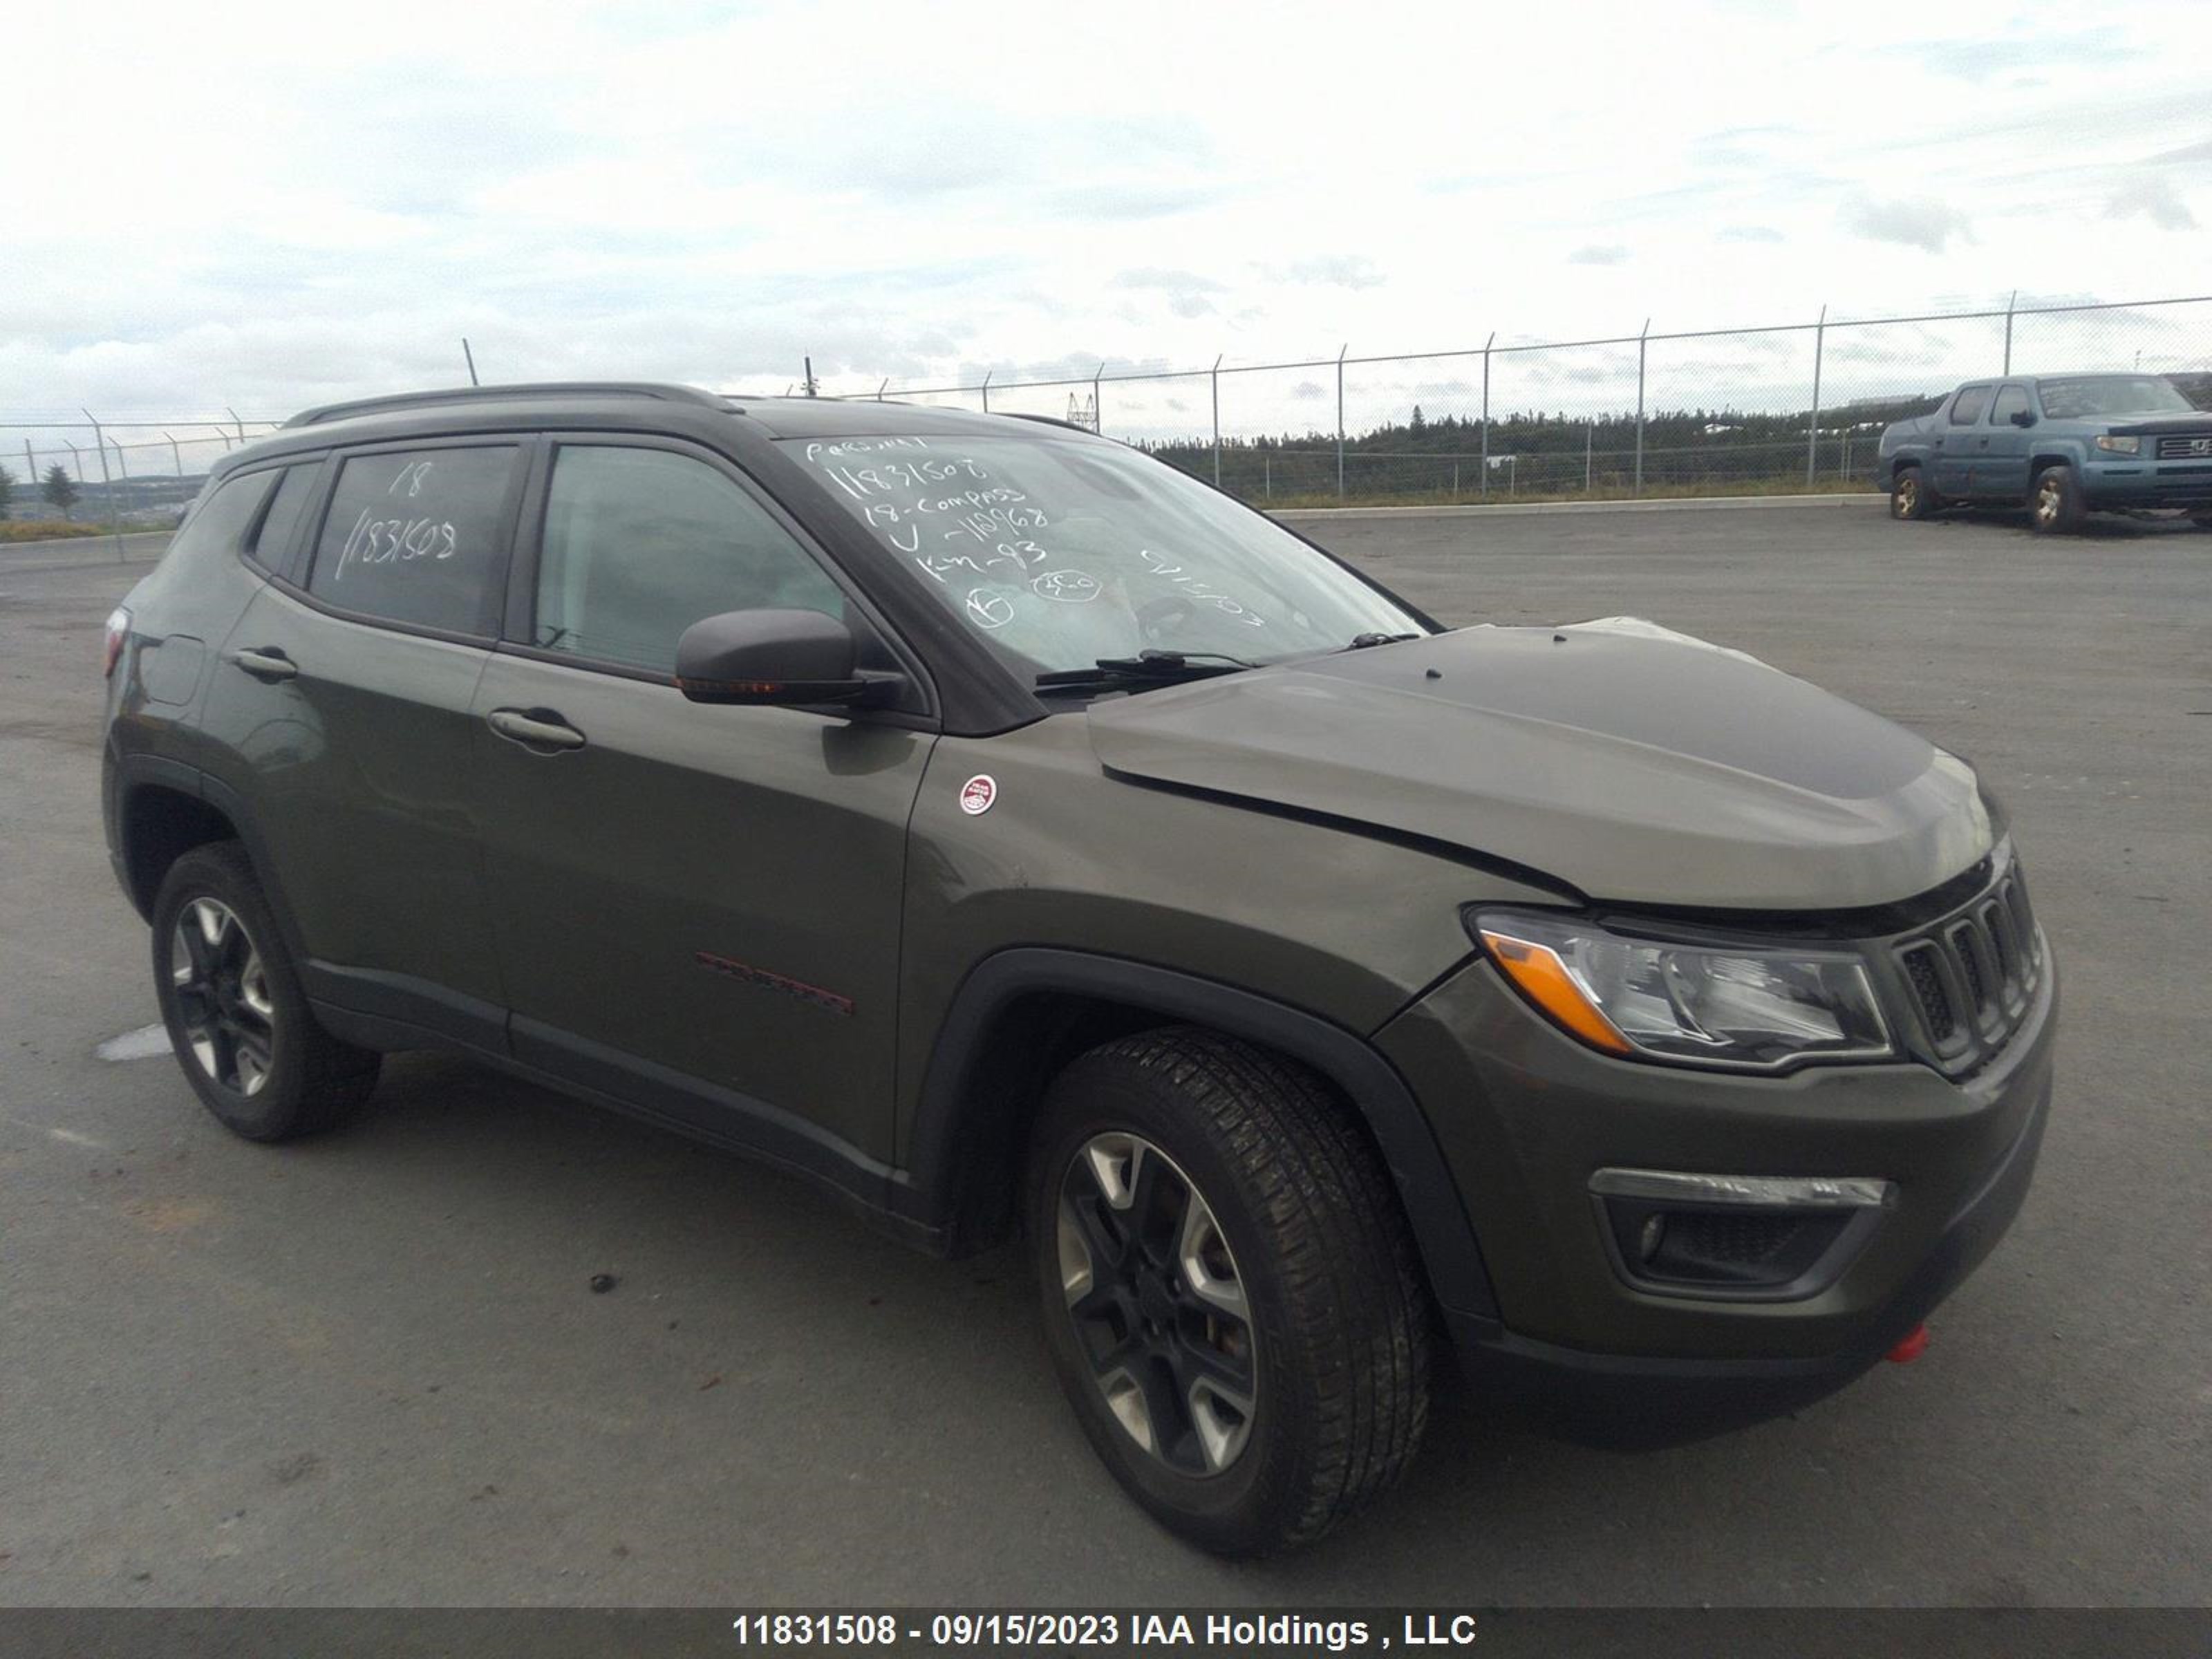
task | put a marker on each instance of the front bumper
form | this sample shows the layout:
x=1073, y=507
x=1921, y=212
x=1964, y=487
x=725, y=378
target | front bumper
x=2122, y=482
x=1524, y=1115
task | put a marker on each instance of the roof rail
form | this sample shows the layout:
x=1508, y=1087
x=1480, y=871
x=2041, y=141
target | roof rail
x=474, y=394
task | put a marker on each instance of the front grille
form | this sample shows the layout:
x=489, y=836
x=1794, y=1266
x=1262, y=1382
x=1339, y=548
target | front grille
x=1928, y=988
x=1971, y=976
x=2184, y=447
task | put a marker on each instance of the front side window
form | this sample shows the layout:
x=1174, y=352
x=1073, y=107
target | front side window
x=2091, y=395
x=1968, y=407
x=640, y=543
x=1059, y=552
x=414, y=537
x=2011, y=400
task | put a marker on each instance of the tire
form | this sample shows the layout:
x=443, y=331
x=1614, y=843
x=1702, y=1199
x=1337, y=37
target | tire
x=1911, y=500
x=1280, y=1423
x=237, y=1019
x=2056, y=506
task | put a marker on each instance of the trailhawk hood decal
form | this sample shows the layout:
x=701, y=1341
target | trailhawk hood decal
x=1629, y=761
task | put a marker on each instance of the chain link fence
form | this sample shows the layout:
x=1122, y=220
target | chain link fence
x=1796, y=406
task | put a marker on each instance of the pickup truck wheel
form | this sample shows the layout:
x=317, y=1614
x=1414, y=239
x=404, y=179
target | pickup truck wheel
x=237, y=1018
x=1231, y=1293
x=2055, y=506
x=1909, y=497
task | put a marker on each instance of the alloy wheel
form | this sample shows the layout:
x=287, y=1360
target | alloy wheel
x=2049, y=500
x=1908, y=497
x=224, y=1003
x=1158, y=1306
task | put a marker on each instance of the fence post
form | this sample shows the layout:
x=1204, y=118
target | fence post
x=1589, y=444
x=1813, y=426
x=1217, y=420
x=106, y=483
x=1485, y=410
x=882, y=388
x=176, y=454
x=30, y=465
x=1267, y=473
x=986, y=390
x=235, y=421
x=1340, y=350
x=1098, y=406
x=2010, y=304
x=1642, y=340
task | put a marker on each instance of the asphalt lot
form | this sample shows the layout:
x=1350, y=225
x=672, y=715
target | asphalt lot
x=368, y=1369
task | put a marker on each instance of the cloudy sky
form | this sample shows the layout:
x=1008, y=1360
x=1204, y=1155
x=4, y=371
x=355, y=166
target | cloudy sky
x=215, y=204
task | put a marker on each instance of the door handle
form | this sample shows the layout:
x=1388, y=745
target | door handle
x=535, y=728
x=269, y=664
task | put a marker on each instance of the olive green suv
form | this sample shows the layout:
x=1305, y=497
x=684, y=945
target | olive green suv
x=1014, y=835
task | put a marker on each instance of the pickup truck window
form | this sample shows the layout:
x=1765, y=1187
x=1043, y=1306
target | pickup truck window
x=2011, y=400
x=1966, y=407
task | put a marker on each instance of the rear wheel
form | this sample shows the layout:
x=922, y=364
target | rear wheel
x=2056, y=506
x=237, y=1017
x=1230, y=1290
x=1909, y=497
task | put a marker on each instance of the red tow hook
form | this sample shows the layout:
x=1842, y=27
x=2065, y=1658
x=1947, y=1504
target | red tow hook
x=1914, y=1343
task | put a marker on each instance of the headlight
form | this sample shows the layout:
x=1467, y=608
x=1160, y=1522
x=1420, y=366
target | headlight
x=1742, y=1007
x=2118, y=446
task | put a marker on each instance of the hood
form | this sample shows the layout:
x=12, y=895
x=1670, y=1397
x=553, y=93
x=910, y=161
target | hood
x=2151, y=421
x=1630, y=762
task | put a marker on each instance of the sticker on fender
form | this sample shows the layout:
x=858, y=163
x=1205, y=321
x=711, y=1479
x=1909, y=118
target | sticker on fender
x=978, y=794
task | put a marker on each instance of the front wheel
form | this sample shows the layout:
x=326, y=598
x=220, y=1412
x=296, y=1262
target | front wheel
x=2056, y=506
x=1909, y=497
x=237, y=1016
x=1230, y=1293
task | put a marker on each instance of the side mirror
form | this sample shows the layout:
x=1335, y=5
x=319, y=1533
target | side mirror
x=2023, y=418
x=773, y=657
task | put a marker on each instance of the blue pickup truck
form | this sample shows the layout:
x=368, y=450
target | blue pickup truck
x=2062, y=445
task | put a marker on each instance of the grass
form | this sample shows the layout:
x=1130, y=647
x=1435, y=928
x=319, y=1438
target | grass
x=46, y=530
x=1651, y=492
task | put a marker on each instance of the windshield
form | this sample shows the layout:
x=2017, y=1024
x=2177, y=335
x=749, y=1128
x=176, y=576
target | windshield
x=2111, y=394
x=1059, y=552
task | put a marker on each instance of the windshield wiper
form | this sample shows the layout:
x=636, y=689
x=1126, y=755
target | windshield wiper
x=1145, y=668
x=1362, y=641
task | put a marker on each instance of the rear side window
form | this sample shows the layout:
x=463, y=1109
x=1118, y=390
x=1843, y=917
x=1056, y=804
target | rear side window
x=222, y=517
x=414, y=536
x=2011, y=401
x=1970, y=405
x=640, y=544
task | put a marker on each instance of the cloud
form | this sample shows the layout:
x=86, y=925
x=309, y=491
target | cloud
x=1990, y=52
x=1748, y=234
x=2156, y=199
x=1597, y=253
x=2187, y=153
x=1184, y=290
x=1351, y=270
x=1920, y=222
x=1307, y=390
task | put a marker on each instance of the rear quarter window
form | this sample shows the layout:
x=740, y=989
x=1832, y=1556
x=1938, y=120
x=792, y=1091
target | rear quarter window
x=220, y=518
x=418, y=536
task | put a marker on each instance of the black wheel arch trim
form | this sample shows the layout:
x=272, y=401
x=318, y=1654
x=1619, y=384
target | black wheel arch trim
x=930, y=1186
